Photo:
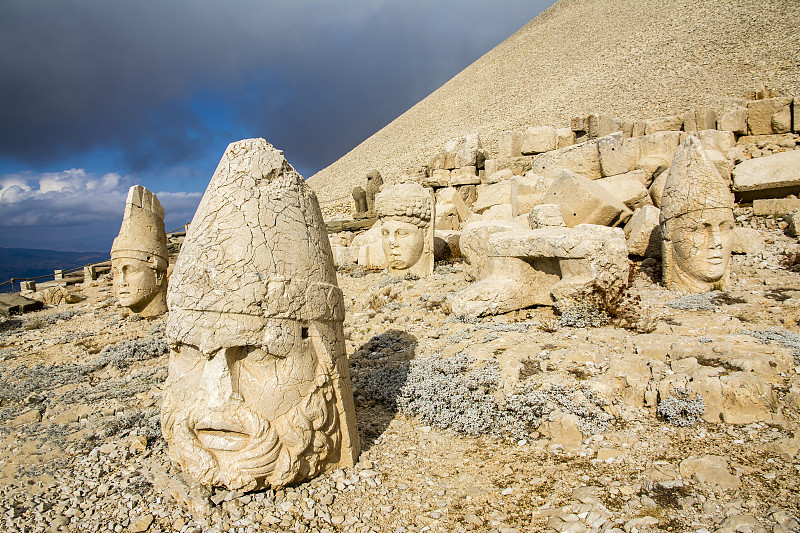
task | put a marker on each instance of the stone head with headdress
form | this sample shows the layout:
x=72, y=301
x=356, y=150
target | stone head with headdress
x=406, y=212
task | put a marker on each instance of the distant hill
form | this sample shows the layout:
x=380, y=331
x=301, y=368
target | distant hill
x=27, y=262
x=632, y=59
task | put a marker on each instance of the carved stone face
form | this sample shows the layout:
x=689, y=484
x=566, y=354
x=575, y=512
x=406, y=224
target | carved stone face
x=403, y=243
x=136, y=282
x=702, y=243
x=248, y=416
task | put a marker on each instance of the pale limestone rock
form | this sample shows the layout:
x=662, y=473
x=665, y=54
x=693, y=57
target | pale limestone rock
x=629, y=188
x=564, y=137
x=696, y=222
x=139, y=255
x=491, y=195
x=438, y=178
x=775, y=207
x=536, y=140
x=500, y=175
x=562, y=428
x=746, y=398
x=343, y=255
x=56, y=296
x=438, y=161
x=407, y=213
x=614, y=159
x=670, y=123
x=627, y=379
x=656, y=189
x=699, y=119
x=583, y=201
x=528, y=191
x=711, y=469
x=796, y=115
x=544, y=215
x=449, y=195
x=734, y=120
x=747, y=241
x=583, y=159
x=371, y=256
x=447, y=217
x=464, y=176
x=499, y=212
x=517, y=165
x=654, y=152
x=473, y=243
x=258, y=392
x=545, y=266
x=717, y=144
x=793, y=219
x=771, y=115
x=776, y=172
x=509, y=144
x=737, y=523
x=643, y=232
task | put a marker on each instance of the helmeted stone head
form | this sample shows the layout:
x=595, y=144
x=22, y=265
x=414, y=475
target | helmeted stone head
x=406, y=212
x=696, y=222
x=258, y=392
x=139, y=256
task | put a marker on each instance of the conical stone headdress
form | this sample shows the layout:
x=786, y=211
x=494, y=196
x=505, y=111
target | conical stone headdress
x=694, y=183
x=142, y=233
x=256, y=250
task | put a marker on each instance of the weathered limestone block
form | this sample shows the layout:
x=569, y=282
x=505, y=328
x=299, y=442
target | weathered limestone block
x=643, y=232
x=464, y=176
x=564, y=137
x=562, y=428
x=473, y=242
x=583, y=159
x=528, y=191
x=139, y=255
x=747, y=241
x=796, y=115
x=500, y=175
x=771, y=115
x=774, y=175
x=615, y=158
x=438, y=178
x=258, y=392
x=696, y=222
x=629, y=188
x=490, y=195
x=699, y=119
x=499, y=212
x=449, y=195
x=734, y=120
x=546, y=266
x=582, y=201
x=656, y=189
x=536, y=140
x=544, y=215
x=671, y=123
x=343, y=255
x=438, y=161
x=509, y=144
x=717, y=145
x=653, y=153
x=746, y=398
x=775, y=207
x=518, y=165
x=711, y=469
x=371, y=256
x=407, y=212
x=447, y=217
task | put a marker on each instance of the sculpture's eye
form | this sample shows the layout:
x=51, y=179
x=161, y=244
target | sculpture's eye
x=385, y=232
x=403, y=232
x=279, y=341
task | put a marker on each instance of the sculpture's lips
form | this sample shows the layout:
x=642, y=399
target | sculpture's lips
x=222, y=436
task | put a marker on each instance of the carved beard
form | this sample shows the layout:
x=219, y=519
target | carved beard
x=294, y=447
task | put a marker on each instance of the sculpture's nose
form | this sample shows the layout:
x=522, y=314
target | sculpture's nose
x=716, y=238
x=217, y=381
x=121, y=282
x=392, y=240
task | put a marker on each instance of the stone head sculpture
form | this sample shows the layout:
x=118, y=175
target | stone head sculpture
x=139, y=255
x=258, y=392
x=406, y=212
x=696, y=222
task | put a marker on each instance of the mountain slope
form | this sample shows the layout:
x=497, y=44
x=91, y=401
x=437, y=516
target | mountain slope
x=628, y=58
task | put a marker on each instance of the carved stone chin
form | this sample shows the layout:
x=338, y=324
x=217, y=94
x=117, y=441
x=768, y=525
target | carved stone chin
x=696, y=222
x=407, y=212
x=258, y=392
x=139, y=257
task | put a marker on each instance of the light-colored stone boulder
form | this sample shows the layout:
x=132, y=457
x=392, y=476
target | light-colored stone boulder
x=500, y=175
x=450, y=195
x=712, y=469
x=447, y=217
x=343, y=255
x=499, y=212
x=734, y=120
x=699, y=119
x=747, y=241
x=629, y=188
x=564, y=137
x=670, y=123
x=509, y=144
x=254, y=294
x=544, y=215
x=653, y=153
x=464, y=176
x=656, y=189
x=775, y=207
x=562, y=428
x=518, y=165
x=57, y=296
x=491, y=195
x=527, y=191
x=643, y=232
x=746, y=398
x=774, y=175
x=614, y=157
x=696, y=222
x=536, y=140
x=771, y=115
x=583, y=159
x=583, y=201
x=546, y=266
x=473, y=242
x=371, y=256
x=438, y=178
x=717, y=145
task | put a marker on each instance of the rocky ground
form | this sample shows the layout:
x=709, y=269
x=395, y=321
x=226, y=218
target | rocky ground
x=523, y=422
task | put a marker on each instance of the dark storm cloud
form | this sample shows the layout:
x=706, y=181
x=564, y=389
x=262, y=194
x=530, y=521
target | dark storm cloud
x=164, y=82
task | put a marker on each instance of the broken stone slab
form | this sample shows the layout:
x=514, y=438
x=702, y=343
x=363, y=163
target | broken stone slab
x=16, y=304
x=734, y=120
x=450, y=195
x=780, y=140
x=473, y=243
x=544, y=215
x=583, y=159
x=654, y=152
x=562, y=428
x=656, y=189
x=711, y=469
x=771, y=115
x=509, y=144
x=546, y=266
x=670, y=123
x=340, y=225
x=344, y=255
x=500, y=175
x=447, y=217
x=57, y=296
x=583, y=201
x=528, y=191
x=776, y=207
x=629, y=188
x=491, y=195
x=747, y=241
x=643, y=232
x=564, y=137
x=372, y=257
x=614, y=157
x=536, y=140
x=773, y=176
x=717, y=145
x=793, y=219
x=499, y=212
x=699, y=119
x=457, y=180
x=518, y=165
x=438, y=178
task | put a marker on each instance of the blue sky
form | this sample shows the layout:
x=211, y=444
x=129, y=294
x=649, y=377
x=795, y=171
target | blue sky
x=98, y=95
